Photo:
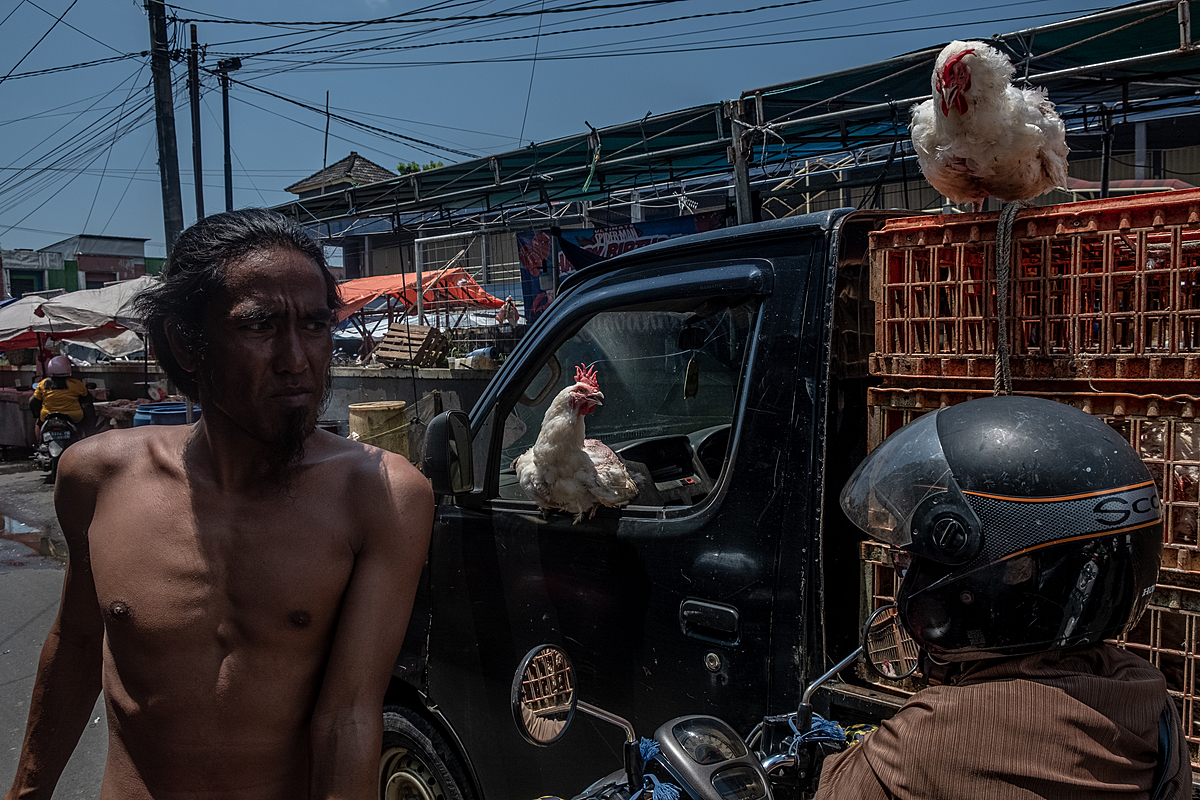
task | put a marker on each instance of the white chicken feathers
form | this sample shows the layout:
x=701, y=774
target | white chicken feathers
x=979, y=136
x=565, y=471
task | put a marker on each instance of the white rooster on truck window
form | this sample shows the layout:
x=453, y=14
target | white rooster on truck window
x=979, y=136
x=565, y=471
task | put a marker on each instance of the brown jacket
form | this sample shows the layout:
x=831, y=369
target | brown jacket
x=1068, y=724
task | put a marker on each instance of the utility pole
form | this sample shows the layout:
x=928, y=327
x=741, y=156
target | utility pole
x=164, y=106
x=739, y=156
x=226, y=66
x=194, y=91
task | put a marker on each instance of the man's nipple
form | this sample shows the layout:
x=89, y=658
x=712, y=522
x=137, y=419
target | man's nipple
x=119, y=611
x=299, y=618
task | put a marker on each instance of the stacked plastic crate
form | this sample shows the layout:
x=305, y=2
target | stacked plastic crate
x=1103, y=314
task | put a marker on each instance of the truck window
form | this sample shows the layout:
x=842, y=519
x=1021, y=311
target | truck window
x=670, y=375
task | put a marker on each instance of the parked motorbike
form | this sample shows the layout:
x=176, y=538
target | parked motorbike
x=700, y=757
x=58, y=433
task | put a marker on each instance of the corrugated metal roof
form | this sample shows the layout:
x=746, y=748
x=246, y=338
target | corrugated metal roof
x=1130, y=57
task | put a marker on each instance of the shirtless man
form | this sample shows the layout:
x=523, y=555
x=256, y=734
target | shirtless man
x=239, y=589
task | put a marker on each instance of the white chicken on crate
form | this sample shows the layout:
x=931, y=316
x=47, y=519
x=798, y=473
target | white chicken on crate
x=566, y=471
x=980, y=136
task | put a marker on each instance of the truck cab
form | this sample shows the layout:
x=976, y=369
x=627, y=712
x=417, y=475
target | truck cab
x=734, y=371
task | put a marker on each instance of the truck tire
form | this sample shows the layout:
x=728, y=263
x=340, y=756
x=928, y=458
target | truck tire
x=416, y=763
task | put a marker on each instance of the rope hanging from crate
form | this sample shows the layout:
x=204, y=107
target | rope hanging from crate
x=1004, y=229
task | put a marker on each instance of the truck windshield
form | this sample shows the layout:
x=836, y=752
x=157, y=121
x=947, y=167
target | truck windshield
x=666, y=370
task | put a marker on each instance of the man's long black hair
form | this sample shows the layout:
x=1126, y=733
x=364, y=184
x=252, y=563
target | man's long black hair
x=195, y=277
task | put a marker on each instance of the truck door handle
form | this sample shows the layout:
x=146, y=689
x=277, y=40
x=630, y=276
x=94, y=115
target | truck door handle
x=710, y=622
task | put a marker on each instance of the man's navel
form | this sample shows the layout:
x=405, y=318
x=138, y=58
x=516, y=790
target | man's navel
x=299, y=618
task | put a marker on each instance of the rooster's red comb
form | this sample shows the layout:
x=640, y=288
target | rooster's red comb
x=954, y=59
x=584, y=374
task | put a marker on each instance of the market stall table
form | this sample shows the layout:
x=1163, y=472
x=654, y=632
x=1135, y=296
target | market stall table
x=16, y=423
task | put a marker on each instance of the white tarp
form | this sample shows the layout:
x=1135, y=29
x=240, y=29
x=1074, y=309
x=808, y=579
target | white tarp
x=17, y=317
x=112, y=343
x=93, y=308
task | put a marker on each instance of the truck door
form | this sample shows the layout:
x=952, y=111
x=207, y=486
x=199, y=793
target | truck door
x=664, y=605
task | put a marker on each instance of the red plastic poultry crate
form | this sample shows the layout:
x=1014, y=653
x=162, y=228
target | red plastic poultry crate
x=1103, y=314
x=1114, y=278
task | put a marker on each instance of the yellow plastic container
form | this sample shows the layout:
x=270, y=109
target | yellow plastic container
x=383, y=424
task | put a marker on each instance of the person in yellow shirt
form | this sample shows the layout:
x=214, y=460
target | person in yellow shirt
x=60, y=393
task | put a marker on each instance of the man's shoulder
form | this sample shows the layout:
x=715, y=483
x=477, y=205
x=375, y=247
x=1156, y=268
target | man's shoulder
x=382, y=482
x=365, y=462
x=104, y=454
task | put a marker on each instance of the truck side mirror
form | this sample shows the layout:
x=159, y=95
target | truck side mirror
x=543, y=695
x=448, y=461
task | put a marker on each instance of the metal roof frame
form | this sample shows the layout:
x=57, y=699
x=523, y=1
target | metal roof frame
x=1135, y=59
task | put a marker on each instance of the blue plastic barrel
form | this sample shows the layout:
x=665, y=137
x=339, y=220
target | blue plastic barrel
x=176, y=414
x=167, y=413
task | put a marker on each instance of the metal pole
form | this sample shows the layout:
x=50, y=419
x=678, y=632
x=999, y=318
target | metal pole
x=325, y=155
x=164, y=106
x=420, y=287
x=1106, y=153
x=228, y=157
x=194, y=91
x=554, y=276
x=224, y=67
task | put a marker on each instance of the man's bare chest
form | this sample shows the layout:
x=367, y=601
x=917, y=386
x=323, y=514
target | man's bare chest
x=172, y=568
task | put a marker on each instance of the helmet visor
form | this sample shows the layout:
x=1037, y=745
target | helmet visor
x=883, y=494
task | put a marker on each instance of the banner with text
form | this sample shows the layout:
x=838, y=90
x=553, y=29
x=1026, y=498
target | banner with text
x=581, y=247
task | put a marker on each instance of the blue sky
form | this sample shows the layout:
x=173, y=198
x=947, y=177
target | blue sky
x=79, y=154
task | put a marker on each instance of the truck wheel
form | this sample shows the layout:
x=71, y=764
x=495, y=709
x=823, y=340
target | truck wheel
x=416, y=763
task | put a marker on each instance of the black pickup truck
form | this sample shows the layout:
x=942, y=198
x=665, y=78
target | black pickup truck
x=728, y=583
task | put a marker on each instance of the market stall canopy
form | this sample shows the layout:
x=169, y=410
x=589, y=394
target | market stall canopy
x=95, y=308
x=447, y=288
x=17, y=321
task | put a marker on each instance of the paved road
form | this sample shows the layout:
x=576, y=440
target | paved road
x=30, y=582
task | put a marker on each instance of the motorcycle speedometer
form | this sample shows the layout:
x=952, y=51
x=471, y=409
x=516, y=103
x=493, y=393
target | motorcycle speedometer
x=710, y=759
x=739, y=783
x=707, y=740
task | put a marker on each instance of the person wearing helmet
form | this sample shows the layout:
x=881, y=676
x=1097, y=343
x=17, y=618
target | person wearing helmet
x=60, y=393
x=1028, y=533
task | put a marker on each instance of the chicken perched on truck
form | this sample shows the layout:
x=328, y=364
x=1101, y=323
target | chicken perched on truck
x=980, y=136
x=566, y=471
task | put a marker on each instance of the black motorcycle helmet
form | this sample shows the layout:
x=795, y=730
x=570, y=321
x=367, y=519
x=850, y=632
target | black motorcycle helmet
x=1031, y=526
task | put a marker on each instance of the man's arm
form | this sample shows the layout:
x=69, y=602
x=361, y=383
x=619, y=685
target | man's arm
x=347, y=723
x=68, y=678
x=849, y=774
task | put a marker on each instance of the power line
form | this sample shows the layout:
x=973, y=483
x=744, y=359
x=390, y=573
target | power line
x=129, y=183
x=315, y=128
x=108, y=155
x=593, y=28
x=81, y=65
x=532, y=71
x=14, y=10
x=567, y=55
x=39, y=41
x=348, y=121
x=72, y=27
x=34, y=178
x=403, y=18
x=50, y=112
